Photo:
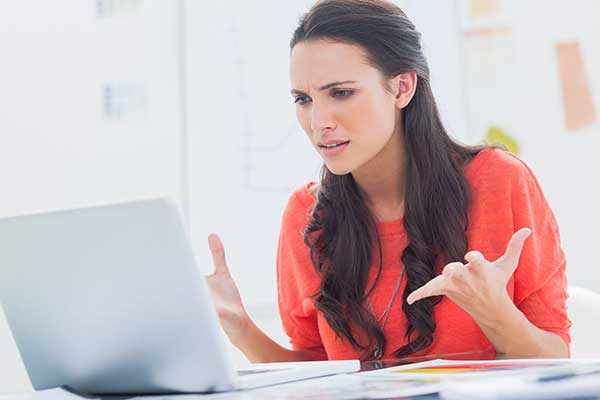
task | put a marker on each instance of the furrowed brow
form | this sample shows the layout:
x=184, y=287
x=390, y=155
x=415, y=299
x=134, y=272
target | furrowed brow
x=332, y=84
x=296, y=92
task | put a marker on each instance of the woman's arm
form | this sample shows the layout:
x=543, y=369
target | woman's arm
x=239, y=327
x=513, y=334
x=259, y=347
x=479, y=287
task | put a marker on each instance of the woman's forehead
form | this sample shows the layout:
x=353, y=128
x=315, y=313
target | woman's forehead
x=316, y=63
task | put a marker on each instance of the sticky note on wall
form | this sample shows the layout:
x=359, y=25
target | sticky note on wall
x=496, y=135
x=577, y=97
x=483, y=8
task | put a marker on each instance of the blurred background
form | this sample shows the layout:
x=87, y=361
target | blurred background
x=113, y=100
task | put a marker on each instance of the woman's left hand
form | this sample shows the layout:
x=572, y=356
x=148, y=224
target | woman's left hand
x=478, y=287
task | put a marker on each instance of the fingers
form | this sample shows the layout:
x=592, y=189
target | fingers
x=474, y=257
x=454, y=269
x=440, y=284
x=434, y=287
x=459, y=278
x=510, y=259
x=218, y=254
x=476, y=262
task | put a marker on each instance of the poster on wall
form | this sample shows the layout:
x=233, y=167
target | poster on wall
x=489, y=63
x=483, y=8
x=578, y=104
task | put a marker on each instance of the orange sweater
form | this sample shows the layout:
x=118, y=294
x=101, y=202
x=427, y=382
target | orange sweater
x=505, y=197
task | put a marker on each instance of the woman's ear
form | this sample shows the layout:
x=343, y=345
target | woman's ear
x=404, y=86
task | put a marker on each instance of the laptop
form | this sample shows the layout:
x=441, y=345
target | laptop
x=108, y=300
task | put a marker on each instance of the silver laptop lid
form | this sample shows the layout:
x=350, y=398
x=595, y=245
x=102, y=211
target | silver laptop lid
x=108, y=299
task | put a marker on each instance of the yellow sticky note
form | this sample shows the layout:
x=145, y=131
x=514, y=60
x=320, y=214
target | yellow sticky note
x=577, y=97
x=483, y=8
x=496, y=135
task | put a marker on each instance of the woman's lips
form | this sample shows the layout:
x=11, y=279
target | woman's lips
x=333, y=151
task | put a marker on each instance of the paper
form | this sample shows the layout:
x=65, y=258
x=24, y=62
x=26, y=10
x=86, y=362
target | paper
x=439, y=370
x=340, y=387
x=483, y=8
x=586, y=386
x=577, y=98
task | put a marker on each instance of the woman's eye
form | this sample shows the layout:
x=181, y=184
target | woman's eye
x=342, y=92
x=301, y=100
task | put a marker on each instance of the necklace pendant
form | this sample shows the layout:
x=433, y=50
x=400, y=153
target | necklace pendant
x=378, y=353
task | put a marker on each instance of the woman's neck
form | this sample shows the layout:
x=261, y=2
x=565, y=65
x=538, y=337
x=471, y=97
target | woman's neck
x=382, y=180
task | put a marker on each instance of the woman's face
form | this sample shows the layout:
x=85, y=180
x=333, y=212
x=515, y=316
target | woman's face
x=341, y=103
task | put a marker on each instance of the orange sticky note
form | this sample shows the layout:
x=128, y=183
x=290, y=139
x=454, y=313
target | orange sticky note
x=483, y=8
x=577, y=97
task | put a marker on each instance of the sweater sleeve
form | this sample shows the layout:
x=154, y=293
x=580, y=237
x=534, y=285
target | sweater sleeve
x=297, y=281
x=540, y=281
x=506, y=198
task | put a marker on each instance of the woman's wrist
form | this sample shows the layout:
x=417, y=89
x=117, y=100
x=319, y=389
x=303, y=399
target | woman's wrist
x=500, y=314
x=240, y=336
x=508, y=328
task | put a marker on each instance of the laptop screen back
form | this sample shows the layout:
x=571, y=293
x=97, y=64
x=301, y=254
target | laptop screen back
x=108, y=299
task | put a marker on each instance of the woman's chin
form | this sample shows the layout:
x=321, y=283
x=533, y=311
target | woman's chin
x=337, y=169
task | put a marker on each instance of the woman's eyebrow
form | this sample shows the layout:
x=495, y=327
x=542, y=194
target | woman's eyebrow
x=332, y=84
x=324, y=87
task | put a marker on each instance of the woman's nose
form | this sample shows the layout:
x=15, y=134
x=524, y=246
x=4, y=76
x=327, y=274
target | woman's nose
x=321, y=119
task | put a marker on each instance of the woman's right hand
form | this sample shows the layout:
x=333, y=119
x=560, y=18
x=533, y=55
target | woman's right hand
x=236, y=323
x=225, y=294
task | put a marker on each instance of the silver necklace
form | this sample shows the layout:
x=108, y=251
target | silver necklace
x=378, y=353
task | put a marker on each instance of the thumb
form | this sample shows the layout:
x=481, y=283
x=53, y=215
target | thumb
x=510, y=259
x=218, y=254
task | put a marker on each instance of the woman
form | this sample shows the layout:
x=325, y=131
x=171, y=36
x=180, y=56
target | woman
x=410, y=244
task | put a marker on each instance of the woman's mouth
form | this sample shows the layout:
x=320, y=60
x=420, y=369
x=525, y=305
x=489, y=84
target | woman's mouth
x=332, y=149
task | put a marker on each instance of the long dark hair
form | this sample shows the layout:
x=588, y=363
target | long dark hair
x=342, y=232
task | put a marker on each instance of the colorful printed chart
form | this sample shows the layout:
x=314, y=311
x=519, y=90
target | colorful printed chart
x=453, y=369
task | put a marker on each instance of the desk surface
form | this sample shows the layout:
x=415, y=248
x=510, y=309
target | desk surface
x=340, y=387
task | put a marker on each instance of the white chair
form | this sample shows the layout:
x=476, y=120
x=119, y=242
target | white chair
x=584, y=312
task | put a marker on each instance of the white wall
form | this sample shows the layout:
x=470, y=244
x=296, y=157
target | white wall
x=60, y=145
x=566, y=162
x=520, y=90
x=439, y=25
x=246, y=151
